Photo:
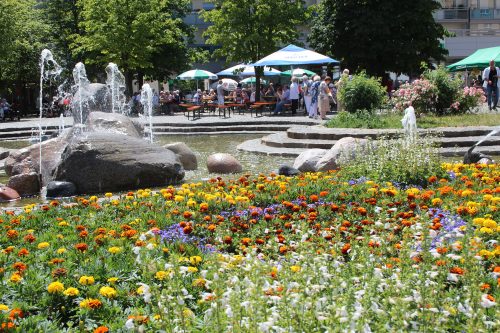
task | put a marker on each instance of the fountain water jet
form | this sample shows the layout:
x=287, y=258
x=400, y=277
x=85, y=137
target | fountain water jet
x=147, y=102
x=409, y=122
x=46, y=58
x=81, y=96
x=115, y=83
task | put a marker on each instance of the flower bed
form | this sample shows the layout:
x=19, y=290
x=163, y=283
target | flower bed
x=314, y=253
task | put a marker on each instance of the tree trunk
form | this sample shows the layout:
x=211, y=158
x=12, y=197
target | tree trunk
x=128, y=82
x=140, y=79
x=258, y=73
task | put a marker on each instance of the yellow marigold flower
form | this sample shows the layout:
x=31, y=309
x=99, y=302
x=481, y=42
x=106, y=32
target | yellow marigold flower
x=115, y=202
x=486, y=253
x=112, y=280
x=487, y=197
x=485, y=230
x=161, y=275
x=489, y=223
x=191, y=203
x=295, y=268
x=93, y=198
x=86, y=280
x=4, y=307
x=115, y=250
x=478, y=221
x=108, y=194
x=43, y=245
x=90, y=303
x=192, y=269
x=15, y=278
x=71, y=292
x=372, y=191
x=437, y=202
x=178, y=198
x=165, y=250
x=199, y=282
x=187, y=313
x=55, y=287
x=63, y=224
x=466, y=193
x=413, y=190
x=472, y=204
x=108, y=292
x=195, y=260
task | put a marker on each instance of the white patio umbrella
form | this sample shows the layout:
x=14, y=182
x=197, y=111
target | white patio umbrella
x=252, y=80
x=246, y=70
x=197, y=74
x=294, y=55
x=228, y=84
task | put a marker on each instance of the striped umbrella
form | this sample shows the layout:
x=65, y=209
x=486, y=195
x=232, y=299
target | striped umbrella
x=297, y=72
x=197, y=74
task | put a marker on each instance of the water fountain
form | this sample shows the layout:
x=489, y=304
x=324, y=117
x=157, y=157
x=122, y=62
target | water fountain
x=474, y=157
x=81, y=96
x=52, y=70
x=115, y=83
x=409, y=123
x=147, y=102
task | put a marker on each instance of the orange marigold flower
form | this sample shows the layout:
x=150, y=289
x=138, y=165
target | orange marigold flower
x=346, y=248
x=313, y=198
x=485, y=286
x=12, y=233
x=101, y=329
x=432, y=179
x=457, y=270
x=20, y=267
x=82, y=247
x=227, y=240
x=16, y=313
x=23, y=252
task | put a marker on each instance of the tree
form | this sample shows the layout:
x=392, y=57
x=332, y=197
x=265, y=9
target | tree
x=378, y=35
x=247, y=30
x=135, y=35
x=23, y=35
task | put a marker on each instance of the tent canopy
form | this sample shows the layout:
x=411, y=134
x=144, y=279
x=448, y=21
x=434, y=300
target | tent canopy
x=294, y=55
x=479, y=59
x=247, y=70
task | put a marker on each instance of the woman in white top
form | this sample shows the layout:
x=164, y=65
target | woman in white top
x=306, y=85
x=324, y=97
x=294, y=94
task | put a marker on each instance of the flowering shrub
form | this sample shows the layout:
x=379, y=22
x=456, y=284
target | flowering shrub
x=421, y=94
x=262, y=253
x=361, y=93
x=468, y=99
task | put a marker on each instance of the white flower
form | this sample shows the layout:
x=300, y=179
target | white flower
x=485, y=302
x=129, y=324
x=452, y=277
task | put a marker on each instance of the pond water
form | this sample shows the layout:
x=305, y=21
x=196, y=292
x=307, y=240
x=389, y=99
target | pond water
x=203, y=146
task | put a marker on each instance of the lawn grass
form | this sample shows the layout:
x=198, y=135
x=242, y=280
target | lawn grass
x=346, y=120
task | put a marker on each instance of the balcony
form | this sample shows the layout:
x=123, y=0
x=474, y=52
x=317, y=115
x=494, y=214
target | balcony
x=474, y=33
x=451, y=14
x=194, y=19
x=485, y=14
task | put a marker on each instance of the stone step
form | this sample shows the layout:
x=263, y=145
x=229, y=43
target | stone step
x=10, y=128
x=283, y=140
x=259, y=147
x=204, y=122
x=322, y=133
x=23, y=134
x=212, y=133
x=226, y=128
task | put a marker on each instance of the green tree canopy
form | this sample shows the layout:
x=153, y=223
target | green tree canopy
x=378, y=35
x=247, y=30
x=23, y=35
x=136, y=35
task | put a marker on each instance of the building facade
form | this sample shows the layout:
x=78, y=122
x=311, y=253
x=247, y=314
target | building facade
x=474, y=24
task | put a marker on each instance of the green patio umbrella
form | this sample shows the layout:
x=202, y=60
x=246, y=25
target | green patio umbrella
x=297, y=72
x=479, y=59
x=251, y=80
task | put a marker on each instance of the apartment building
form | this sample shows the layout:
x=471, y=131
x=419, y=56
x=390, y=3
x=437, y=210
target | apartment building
x=475, y=24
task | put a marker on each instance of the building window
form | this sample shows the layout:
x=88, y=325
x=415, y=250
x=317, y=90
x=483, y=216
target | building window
x=208, y=5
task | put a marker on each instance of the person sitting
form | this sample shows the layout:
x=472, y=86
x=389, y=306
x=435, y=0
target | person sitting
x=197, y=98
x=239, y=95
x=283, y=98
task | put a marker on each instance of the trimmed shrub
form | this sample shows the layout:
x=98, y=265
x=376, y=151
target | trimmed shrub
x=448, y=88
x=362, y=92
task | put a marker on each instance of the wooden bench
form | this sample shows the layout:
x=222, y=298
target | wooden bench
x=257, y=108
x=196, y=112
x=222, y=110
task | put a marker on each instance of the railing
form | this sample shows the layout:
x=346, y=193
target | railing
x=484, y=14
x=451, y=14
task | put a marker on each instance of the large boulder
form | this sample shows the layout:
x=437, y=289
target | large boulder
x=112, y=123
x=25, y=184
x=223, y=163
x=307, y=160
x=4, y=153
x=344, y=149
x=8, y=194
x=27, y=160
x=58, y=189
x=185, y=154
x=100, y=162
x=286, y=170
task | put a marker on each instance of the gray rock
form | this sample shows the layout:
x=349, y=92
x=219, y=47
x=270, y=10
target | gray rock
x=8, y=194
x=112, y=123
x=103, y=162
x=346, y=148
x=4, y=153
x=25, y=184
x=286, y=170
x=58, y=189
x=486, y=160
x=186, y=155
x=223, y=163
x=307, y=160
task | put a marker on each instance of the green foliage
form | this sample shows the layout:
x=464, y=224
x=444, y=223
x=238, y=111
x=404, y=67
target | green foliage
x=378, y=35
x=136, y=35
x=359, y=119
x=448, y=88
x=23, y=35
x=405, y=161
x=361, y=93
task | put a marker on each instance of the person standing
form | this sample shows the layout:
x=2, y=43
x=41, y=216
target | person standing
x=220, y=93
x=490, y=78
x=324, y=97
x=294, y=95
x=314, y=93
x=306, y=87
